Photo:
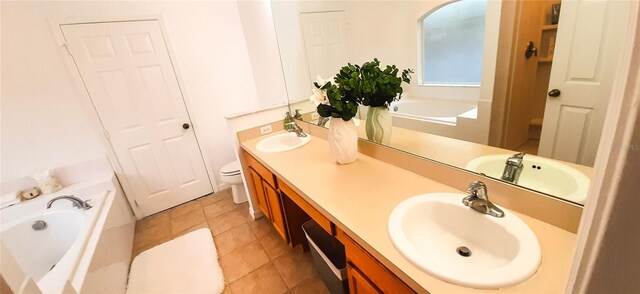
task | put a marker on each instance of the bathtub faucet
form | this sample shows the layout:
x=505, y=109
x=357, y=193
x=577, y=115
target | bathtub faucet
x=77, y=202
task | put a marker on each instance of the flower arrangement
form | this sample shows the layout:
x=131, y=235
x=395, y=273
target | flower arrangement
x=372, y=85
x=368, y=85
x=354, y=85
x=331, y=101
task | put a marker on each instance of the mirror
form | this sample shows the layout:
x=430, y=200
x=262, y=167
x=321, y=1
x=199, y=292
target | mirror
x=493, y=79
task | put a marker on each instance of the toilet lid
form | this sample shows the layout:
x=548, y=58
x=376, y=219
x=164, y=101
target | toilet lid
x=231, y=169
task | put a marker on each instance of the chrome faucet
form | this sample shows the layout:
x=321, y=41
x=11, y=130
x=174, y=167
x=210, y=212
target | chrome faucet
x=322, y=121
x=297, y=129
x=77, y=202
x=290, y=125
x=479, y=200
x=513, y=168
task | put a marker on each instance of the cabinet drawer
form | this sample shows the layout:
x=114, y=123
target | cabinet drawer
x=265, y=173
x=324, y=222
x=371, y=268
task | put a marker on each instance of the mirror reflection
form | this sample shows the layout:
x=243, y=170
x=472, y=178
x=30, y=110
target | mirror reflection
x=514, y=90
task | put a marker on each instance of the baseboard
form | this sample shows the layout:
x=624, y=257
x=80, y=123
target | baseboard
x=223, y=186
x=255, y=214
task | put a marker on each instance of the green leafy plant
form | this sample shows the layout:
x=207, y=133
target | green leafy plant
x=331, y=103
x=370, y=85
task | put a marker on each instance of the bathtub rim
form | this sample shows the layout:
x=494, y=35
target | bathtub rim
x=450, y=121
x=445, y=120
x=82, y=267
x=69, y=263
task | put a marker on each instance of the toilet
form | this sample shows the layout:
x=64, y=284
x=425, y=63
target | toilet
x=230, y=174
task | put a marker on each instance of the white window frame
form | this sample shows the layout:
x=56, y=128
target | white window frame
x=421, y=52
x=483, y=91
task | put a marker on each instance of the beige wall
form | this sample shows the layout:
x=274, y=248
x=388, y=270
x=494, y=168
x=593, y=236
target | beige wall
x=260, y=36
x=607, y=258
x=617, y=265
x=389, y=31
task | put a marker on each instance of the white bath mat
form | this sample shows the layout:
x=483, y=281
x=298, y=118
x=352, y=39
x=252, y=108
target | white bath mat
x=187, y=264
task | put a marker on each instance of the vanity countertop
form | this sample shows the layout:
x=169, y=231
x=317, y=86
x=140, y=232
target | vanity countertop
x=359, y=198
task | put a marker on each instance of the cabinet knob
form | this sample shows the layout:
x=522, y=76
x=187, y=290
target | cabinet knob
x=185, y=126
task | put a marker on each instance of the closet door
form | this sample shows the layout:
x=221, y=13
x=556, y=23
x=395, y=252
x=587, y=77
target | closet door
x=129, y=76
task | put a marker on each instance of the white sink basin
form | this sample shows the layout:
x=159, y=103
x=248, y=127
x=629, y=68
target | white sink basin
x=428, y=229
x=552, y=177
x=282, y=142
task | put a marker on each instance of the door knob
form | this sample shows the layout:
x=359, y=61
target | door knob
x=185, y=126
x=531, y=50
x=554, y=93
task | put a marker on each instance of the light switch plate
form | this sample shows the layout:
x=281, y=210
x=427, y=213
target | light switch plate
x=265, y=129
x=314, y=116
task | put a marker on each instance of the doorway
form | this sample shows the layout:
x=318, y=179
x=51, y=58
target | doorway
x=561, y=77
x=128, y=74
x=532, y=58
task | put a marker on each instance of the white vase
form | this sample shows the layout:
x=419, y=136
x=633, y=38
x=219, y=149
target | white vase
x=378, y=125
x=343, y=140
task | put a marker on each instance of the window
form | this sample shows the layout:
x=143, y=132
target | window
x=452, y=43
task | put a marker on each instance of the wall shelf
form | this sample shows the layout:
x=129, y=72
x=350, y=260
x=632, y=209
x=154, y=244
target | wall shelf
x=545, y=59
x=536, y=122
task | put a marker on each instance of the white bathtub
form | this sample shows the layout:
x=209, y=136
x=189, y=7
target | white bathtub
x=443, y=111
x=88, y=250
x=449, y=118
x=51, y=256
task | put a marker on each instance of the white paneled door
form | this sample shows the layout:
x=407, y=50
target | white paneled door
x=325, y=42
x=589, y=44
x=129, y=76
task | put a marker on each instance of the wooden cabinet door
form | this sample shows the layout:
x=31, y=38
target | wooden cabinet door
x=260, y=169
x=370, y=267
x=358, y=283
x=259, y=192
x=275, y=206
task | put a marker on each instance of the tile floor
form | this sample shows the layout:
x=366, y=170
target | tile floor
x=253, y=257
